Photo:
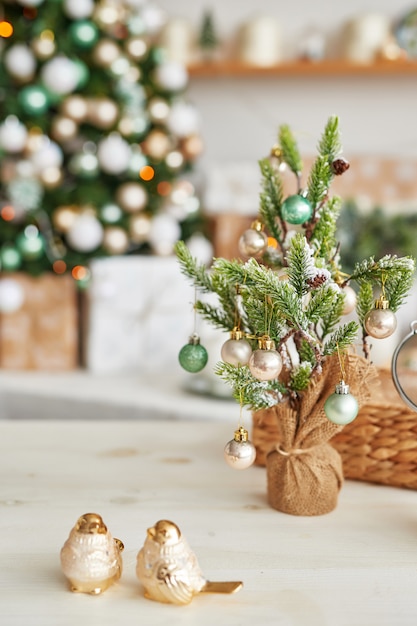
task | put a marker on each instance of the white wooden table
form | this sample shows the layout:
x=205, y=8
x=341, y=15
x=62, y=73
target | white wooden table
x=356, y=566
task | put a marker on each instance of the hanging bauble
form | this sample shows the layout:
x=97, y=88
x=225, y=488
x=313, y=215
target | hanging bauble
x=60, y=75
x=83, y=33
x=341, y=407
x=20, y=62
x=174, y=160
x=44, y=46
x=158, y=109
x=51, y=177
x=193, y=356
x=83, y=73
x=239, y=452
x=171, y=76
x=183, y=119
x=163, y=234
x=64, y=217
x=132, y=197
x=236, y=350
x=115, y=240
x=102, y=112
x=84, y=165
x=152, y=16
x=136, y=47
x=157, y=144
x=13, y=135
x=253, y=242
x=63, y=128
x=350, y=300
x=380, y=322
x=106, y=52
x=75, y=107
x=200, y=248
x=25, y=193
x=296, y=209
x=12, y=295
x=30, y=243
x=113, y=154
x=78, y=9
x=134, y=127
x=265, y=363
x=85, y=234
x=138, y=161
x=49, y=154
x=111, y=213
x=34, y=100
x=139, y=227
x=10, y=258
x=192, y=147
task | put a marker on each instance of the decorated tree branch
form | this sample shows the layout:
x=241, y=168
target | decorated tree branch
x=284, y=304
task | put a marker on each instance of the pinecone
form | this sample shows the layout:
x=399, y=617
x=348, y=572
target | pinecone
x=340, y=166
x=317, y=281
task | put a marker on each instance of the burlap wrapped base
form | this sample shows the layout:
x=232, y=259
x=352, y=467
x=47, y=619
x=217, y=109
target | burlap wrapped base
x=304, y=472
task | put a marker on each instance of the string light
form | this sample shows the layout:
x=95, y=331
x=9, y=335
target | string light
x=79, y=272
x=6, y=29
x=147, y=172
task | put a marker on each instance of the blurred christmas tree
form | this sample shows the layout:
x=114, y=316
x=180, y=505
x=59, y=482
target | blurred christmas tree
x=96, y=138
x=208, y=38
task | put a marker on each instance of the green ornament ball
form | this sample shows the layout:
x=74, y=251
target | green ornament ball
x=193, y=357
x=10, y=258
x=34, y=100
x=84, y=33
x=31, y=248
x=296, y=209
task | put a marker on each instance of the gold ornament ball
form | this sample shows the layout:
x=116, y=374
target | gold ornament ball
x=136, y=47
x=139, y=227
x=75, y=107
x=159, y=110
x=115, y=240
x=192, y=147
x=63, y=128
x=64, y=217
x=380, y=323
x=102, y=112
x=43, y=46
x=157, y=145
x=132, y=197
x=35, y=140
x=106, y=52
x=350, y=300
x=265, y=364
x=252, y=243
x=174, y=160
x=51, y=177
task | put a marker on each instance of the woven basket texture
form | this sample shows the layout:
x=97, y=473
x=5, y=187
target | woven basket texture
x=379, y=446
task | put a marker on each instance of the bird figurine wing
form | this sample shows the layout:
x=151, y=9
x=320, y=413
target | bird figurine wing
x=173, y=586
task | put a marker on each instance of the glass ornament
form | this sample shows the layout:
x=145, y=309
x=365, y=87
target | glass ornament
x=13, y=135
x=193, y=356
x=239, y=452
x=253, y=242
x=350, y=300
x=236, y=350
x=265, y=363
x=296, y=209
x=85, y=234
x=341, y=407
x=380, y=322
x=30, y=243
x=34, y=100
x=10, y=258
x=83, y=33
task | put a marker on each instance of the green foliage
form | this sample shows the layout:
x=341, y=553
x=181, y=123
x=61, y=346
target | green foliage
x=208, y=38
x=300, y=304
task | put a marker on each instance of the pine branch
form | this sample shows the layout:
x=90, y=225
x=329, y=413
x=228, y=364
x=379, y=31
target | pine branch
x=290, y=153
x=331, y=316
x=192, y=269
x=319, y=181
x=321, y=302
x=249, y=391
x=341, y=339
x=300, y=377
x=271, y=201
x=398, y=288
x=329, y=145
x=301, y=266
x=323, y=240
x=215, y=315
x=364, y=300
x=373, y=271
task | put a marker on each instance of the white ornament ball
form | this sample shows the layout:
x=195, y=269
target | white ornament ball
x=13, y=135
x=85, y=234
x=163, y=234
x=350, y=300
x=183, y=119
x=171, y=76
x=341, y=408
x=236, y=352
x=200, y=248
x=114, y=154
x=132, y=197
x=60, y=75
x=265, y=364
x=153, y=17
x=30, y=3
x=78, y=9
x=380, y=323
x=20, y=62
x=12, y=295
x=49, y=155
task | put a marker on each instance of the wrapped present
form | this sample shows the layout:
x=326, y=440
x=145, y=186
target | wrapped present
x=41, y=331
x=140, y=312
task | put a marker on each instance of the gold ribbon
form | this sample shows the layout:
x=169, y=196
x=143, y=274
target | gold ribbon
x=293, y=450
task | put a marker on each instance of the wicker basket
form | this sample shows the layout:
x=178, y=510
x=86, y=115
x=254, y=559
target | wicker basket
x=379, y=446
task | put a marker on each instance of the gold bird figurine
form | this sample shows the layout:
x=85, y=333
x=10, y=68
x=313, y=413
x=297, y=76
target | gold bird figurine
x=91, y=557
x=168, y=568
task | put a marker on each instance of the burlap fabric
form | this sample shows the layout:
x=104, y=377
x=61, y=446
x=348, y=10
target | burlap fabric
x=304, y=472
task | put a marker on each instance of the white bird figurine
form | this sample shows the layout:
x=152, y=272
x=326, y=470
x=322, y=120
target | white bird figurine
x=91, y=557
x=168, y=568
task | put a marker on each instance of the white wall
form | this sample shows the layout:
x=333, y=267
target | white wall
x=240, y=116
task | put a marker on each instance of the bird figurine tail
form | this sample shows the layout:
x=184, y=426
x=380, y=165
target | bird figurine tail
x=221, y=587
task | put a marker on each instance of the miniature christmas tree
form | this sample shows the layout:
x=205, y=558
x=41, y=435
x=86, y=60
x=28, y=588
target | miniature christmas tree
x=208, y=38
x=287, y=301
x=96, y=137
